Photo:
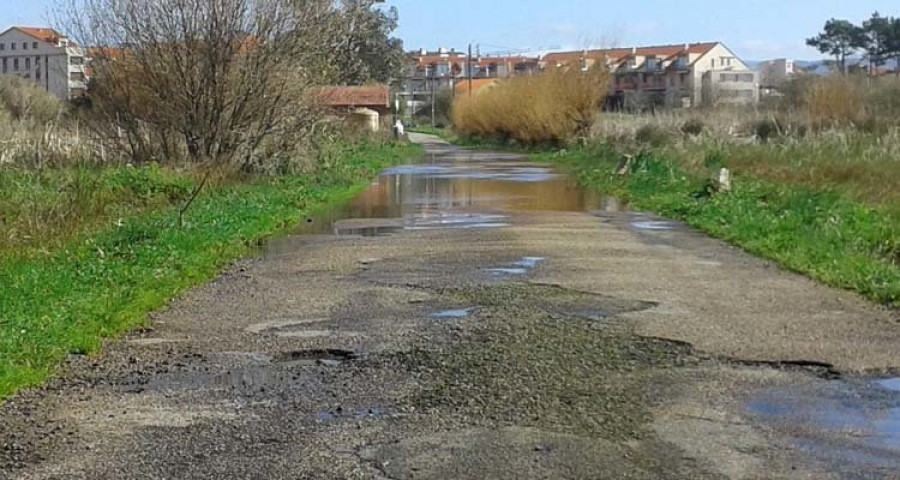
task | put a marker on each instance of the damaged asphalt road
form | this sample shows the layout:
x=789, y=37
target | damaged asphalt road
x=496, y=322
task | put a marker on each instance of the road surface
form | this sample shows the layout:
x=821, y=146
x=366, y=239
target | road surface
x=479, y=316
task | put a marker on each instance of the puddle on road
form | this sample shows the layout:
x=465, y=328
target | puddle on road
x=851, y=425
x=653, y=225
x=455, y=314
x=521, y=267
x=452, y=189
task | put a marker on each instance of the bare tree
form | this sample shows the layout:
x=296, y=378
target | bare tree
x=209, y=80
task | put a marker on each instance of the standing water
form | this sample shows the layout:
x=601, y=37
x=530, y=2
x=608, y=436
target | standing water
x=454, y=188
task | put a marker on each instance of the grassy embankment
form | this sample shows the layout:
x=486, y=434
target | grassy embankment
x=816, y=184
x=828, y=232
x=87, y=252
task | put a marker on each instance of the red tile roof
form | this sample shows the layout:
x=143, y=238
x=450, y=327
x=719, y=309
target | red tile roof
x=618, y=54
x=363, y=96
x=462, y=88
x=48, y=35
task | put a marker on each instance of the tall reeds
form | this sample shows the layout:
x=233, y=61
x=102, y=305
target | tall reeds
x=542, y=110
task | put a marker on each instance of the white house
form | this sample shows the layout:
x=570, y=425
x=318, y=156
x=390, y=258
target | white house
x=684, y=75
x=46, y=57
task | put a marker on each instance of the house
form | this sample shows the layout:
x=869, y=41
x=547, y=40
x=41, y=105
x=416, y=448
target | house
x=341, y=99
x=46, y=57
x=425, y=72
x=684, y=75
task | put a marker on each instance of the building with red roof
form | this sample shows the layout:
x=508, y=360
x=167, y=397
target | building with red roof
x=683, y=75
x=46, y=57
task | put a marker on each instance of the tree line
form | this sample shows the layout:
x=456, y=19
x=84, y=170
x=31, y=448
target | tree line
x=224, y=81
x=877, y=39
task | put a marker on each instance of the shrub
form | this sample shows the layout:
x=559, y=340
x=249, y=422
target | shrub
x=767, y=129
x=25, y=100
x=693, y=127
x=835, y=101
x=546, y=109
x=652, y=134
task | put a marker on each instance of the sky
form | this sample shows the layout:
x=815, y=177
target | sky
x=754, y=29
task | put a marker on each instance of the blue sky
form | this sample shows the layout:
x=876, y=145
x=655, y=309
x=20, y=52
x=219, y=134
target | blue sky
x=755, y=29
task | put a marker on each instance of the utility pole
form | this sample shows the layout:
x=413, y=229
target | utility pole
x=469, y=69
x=433, y=96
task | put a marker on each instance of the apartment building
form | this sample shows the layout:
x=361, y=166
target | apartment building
x=46, y=57
x=679, y=76
x=427, y=71
x=773, y=74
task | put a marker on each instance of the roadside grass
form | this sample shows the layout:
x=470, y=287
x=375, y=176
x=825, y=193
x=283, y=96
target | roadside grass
x=129, y=256
x=824, y=233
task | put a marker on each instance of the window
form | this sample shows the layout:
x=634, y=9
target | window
x=37, y=74
x=24, y=45
x=12, y=46
x=28, y=63
x=76, y=76
x=2, y=47
x=34, y=46
x=15, y=64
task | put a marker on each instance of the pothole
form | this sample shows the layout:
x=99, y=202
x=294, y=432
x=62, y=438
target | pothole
x=330, y=357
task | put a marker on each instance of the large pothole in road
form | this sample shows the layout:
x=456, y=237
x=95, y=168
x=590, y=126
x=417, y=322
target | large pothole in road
x=505, y=453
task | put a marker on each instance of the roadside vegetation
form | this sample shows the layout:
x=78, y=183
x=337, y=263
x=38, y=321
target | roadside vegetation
x=548, y=109
x=816, y=173
x=112, y=205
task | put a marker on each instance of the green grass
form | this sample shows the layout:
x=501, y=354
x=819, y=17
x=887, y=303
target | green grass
x=103, y=280
x=822, y=233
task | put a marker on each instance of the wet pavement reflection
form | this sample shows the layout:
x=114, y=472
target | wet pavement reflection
x=456, y=189
x=852, y=425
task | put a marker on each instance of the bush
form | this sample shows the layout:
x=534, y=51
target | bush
x=652, y=135
x=546, y=109
x=693, y=127
x=835, y=101
x=25, y=100
x=767, y=129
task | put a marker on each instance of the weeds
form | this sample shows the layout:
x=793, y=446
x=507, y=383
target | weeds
x=823, y=234
x=102, y=282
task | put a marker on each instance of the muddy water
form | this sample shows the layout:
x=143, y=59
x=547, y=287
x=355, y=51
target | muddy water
x=453, y=188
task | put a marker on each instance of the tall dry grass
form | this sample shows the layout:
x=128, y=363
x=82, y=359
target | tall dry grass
x=836, y=101
x=547, y=109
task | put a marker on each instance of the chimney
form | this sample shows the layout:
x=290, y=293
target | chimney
x=634, y=50
x=423, y=52
x=687, y=46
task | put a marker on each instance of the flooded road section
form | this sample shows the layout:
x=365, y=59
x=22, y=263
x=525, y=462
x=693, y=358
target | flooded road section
x=456, y=189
